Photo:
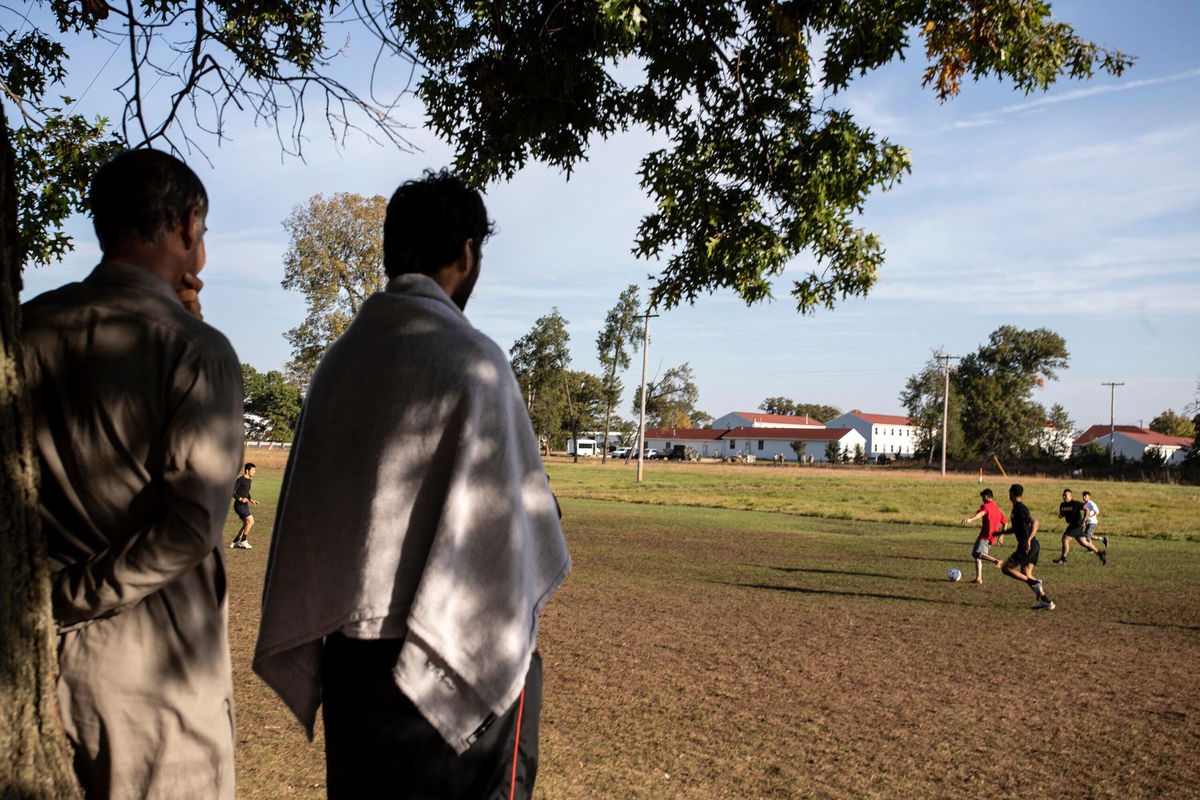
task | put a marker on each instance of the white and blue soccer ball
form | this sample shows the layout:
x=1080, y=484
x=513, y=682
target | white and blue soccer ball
x=953, y=574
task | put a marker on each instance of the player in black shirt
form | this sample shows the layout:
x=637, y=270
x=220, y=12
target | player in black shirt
x=1020, y=564
x=241, y=506
x=1072, y=511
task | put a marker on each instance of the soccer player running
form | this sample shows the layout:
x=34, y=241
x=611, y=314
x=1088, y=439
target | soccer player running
x=1091, y=518
x=241, y=506
x=1073, y=512
x=989, y=532
x=1020, y=564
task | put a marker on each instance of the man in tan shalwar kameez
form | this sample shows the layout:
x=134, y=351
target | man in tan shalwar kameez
x=138, y=425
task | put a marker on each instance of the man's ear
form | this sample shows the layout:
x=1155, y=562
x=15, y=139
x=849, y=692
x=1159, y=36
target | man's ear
x=466, y=258
x=192, y=228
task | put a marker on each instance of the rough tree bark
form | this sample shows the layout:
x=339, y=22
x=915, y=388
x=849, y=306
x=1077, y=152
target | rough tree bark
x=34, y=755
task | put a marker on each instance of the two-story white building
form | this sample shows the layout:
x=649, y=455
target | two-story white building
x=885, y=434
x=753, y=419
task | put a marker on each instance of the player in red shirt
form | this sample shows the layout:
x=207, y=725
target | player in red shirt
x=989, y=532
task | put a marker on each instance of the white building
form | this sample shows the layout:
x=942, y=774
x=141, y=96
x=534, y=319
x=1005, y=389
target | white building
x=1132, y=442
x=706, y=441
x=751, y=419
x=1056, y=441
x=885, y=434
x=770, y=442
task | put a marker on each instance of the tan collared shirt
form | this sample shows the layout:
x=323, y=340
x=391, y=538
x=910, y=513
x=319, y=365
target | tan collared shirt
x=138, y=429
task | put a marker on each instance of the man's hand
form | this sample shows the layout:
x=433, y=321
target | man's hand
x=253, y=502
x=189, y=294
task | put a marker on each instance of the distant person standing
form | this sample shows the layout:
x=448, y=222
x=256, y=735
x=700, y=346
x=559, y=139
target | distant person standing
x=989, y=532
x=241, y=506
x=1072, y=511
x=1020, y=564
x=1091, y=518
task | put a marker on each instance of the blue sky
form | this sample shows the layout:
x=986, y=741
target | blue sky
x=1074, y=210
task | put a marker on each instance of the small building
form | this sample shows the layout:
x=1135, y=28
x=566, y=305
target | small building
x=885, y=434
x=705, y=441
x=1132, y=442
x=753, y=419
x=770, y=442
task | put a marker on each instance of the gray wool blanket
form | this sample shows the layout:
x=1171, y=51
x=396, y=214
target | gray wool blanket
x=415, y=505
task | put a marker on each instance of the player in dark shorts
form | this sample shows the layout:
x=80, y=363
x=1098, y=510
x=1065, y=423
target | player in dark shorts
x=1020, y=564
x=241, y=506
x=1073, y=512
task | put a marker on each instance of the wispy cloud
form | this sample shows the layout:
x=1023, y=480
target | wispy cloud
x=991, y=117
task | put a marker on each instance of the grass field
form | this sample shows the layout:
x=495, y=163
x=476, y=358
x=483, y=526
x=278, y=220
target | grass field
x=788, y=652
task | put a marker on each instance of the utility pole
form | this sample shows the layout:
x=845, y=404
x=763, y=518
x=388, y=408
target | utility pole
x=1112, y=428
x=944, y=365
x=642, y=420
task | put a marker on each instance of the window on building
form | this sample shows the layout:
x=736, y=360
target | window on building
x=732, y=444
x=760, y=443
x=667, y=446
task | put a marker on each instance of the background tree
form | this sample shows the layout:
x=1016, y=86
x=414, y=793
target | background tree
x=584, y=398
x=790, y=408
x=1058, y=435
x=539, y=359
x=335, y=259
x=922, y=399
x=670, y=400
x=777, y=405
x=616, y=342
x=272, y=405
x=996, y=383
x=1172, y=424
x=833, y=452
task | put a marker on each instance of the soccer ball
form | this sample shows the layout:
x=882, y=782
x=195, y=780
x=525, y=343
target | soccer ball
x=953, y=575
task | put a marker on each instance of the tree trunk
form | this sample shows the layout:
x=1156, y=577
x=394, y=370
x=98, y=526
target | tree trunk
x=35, y=760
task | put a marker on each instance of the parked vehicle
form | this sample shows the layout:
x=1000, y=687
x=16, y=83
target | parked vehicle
x=620, y=452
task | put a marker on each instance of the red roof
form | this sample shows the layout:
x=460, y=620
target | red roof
x=779, y=419
x=882, y=419
x=1143, y=435
x=791, y=434
x=683, y=433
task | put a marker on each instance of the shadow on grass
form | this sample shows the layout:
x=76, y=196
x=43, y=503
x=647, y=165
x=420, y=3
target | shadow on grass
x=922, y=558
x=875, y=595
x=1159, y=625
x=845, y=572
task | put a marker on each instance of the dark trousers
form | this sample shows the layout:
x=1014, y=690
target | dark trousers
x=377, y=744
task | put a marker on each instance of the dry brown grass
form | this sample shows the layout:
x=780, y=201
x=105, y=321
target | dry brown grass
x=706, y=653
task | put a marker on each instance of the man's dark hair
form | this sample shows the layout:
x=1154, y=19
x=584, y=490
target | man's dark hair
x=1087, y=494
x=140, y=194
x=1017, y=490
x=986, y=494
x=248, y=467
x=427, y=222
x=1067, y=491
